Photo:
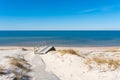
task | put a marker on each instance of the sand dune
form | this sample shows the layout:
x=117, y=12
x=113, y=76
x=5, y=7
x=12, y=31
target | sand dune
x=84, y=64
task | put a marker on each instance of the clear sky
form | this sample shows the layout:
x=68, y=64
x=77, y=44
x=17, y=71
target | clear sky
x=59, y=14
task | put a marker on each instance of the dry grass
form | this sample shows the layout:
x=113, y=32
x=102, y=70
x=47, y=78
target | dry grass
x=100, y=60
x=71, y=51
x=112, y=50
x=20, y=66
x=111, y=63
x=19, y=58
x=1, y=70
x=68, y=51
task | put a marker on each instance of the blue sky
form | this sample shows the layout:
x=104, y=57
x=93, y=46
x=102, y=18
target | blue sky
x=59, y=14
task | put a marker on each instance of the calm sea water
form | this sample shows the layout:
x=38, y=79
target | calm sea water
x=60, y=38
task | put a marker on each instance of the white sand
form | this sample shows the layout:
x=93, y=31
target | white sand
x=54, y=66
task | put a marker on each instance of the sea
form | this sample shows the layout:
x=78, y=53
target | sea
x=60, y=38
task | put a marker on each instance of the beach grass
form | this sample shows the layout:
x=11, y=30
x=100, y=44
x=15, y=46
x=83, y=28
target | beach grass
x=113, y=50
x=71, y=51
x=111, y=63
x=1, y=69
x=20, y=66
x=67, y=51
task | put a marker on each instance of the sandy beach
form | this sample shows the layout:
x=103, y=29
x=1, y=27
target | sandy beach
x=66, y=63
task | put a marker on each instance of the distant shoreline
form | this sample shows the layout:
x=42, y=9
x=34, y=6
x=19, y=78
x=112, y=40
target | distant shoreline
x=59, y=47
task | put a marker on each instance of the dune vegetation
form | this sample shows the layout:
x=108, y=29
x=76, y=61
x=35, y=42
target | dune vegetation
x=111, y=64
x=1, y=70
x=20, y=66
x=113, y=50
x=68, y=51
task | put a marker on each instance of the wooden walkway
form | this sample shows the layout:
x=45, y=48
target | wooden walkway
x=39, y=70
